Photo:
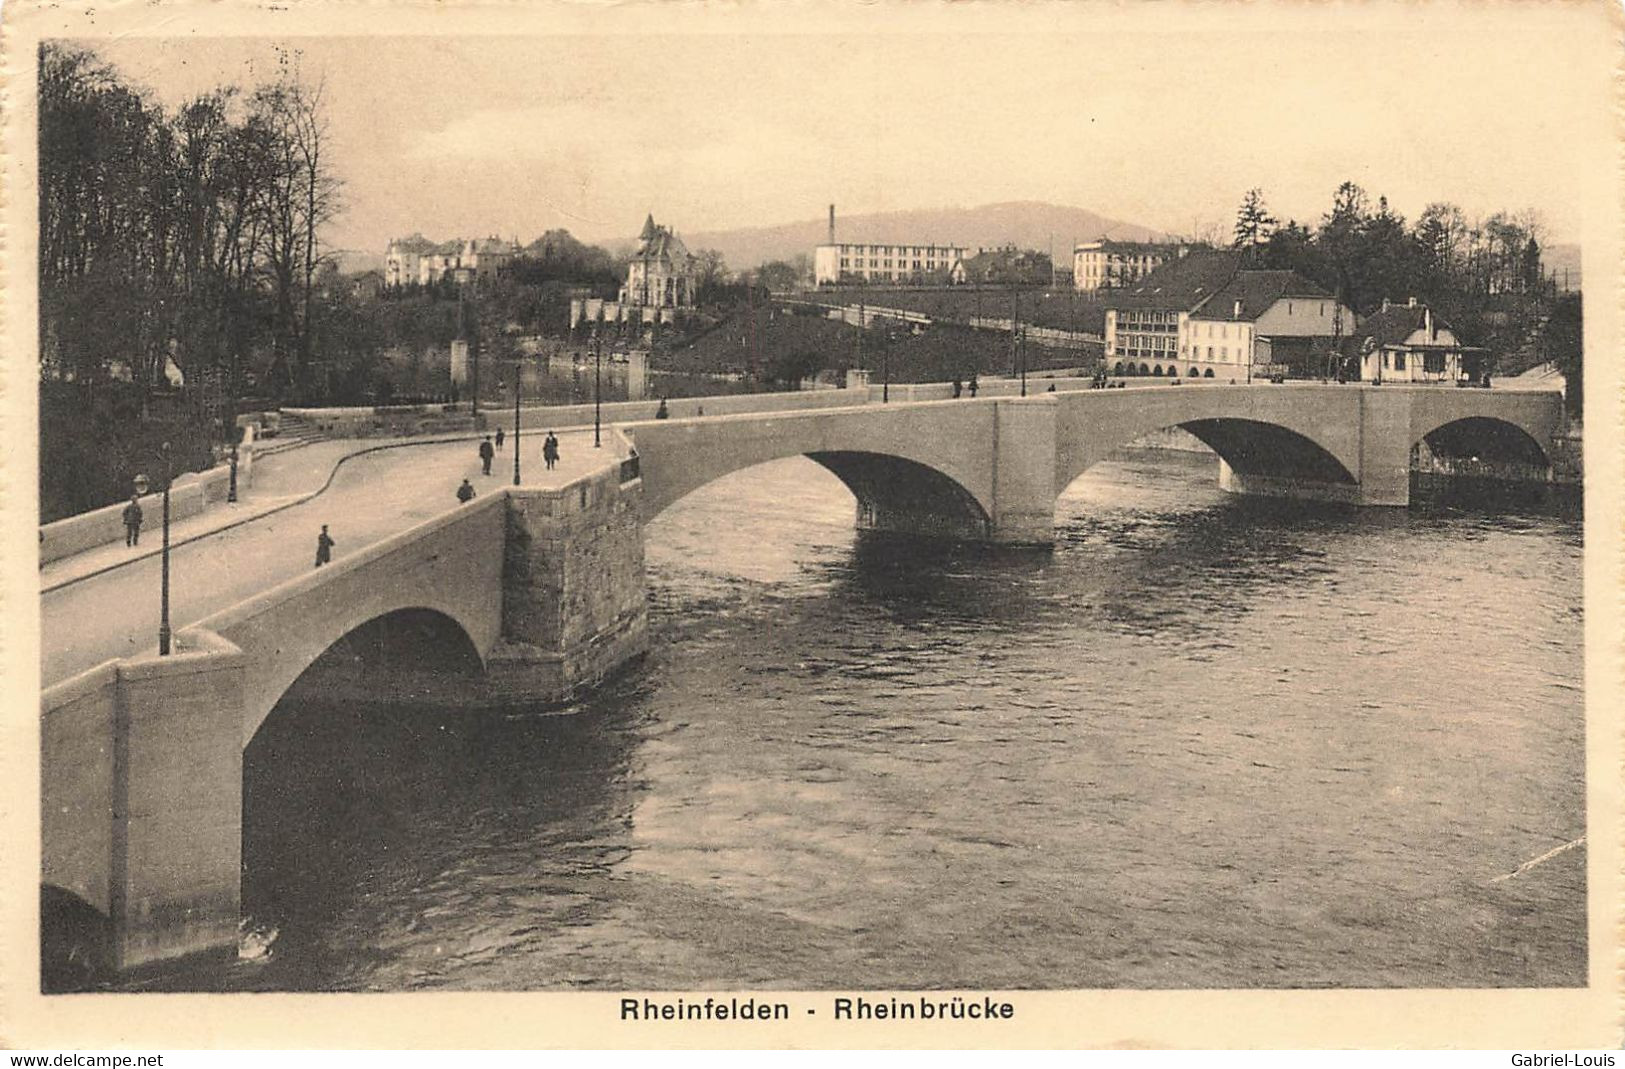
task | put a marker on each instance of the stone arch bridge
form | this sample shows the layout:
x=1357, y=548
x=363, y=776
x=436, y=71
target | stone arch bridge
x=992, y=468
x=142, y=758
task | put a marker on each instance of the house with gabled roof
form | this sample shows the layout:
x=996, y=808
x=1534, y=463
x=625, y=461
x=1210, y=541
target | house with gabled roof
x=1206, y=316
x=1264, y=324
x=1408, y=343
x=404, y=259
x=661, y=273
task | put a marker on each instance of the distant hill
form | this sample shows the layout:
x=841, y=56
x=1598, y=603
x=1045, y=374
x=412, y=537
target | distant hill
x=1028, y=224
x=355, y=261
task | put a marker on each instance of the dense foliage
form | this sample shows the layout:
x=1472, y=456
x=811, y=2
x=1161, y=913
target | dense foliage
x=1483, y=276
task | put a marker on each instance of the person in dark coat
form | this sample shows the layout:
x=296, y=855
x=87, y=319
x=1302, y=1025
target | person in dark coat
x=465, y=492
x=324, y=547
x=500, y=437
x=550, y=450
x=132, y=522
x=959, y=387
x=486, y=453
x=973, y=385
x=661, y=412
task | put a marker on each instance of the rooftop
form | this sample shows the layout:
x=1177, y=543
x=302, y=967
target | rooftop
x=1179, y=285
x=1249, y=294
x=1397, y=322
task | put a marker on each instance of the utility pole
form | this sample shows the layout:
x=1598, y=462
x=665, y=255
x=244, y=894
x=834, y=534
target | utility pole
x=516, y=449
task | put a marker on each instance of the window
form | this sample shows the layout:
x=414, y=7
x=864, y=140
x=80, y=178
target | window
x=1399, y=361
x=1433, y=362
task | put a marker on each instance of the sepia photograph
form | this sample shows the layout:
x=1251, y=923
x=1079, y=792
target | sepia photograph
x=906, y=506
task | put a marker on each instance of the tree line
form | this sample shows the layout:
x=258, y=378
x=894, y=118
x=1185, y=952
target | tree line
x=186, y=238
x=1485, y=276
x=191, y=235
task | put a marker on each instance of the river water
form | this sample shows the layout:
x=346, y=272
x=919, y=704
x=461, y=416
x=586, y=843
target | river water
x=1206, y=741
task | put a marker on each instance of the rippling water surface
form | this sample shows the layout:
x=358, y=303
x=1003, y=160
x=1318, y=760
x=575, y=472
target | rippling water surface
x=1205, y=742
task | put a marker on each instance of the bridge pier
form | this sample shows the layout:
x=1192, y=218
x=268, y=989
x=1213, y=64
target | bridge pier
x=574, y=604
x=141, y=802
x=1378, y=471
x=1024, y=471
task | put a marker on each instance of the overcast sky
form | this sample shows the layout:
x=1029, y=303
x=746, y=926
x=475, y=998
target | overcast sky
x=479, y=135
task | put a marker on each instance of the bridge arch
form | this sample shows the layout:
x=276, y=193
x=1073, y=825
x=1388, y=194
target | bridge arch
x=1487, y=439
x=1251, y=448
x=1266, y=435
x=401, y=654
x=893, y=493
x=922, y=469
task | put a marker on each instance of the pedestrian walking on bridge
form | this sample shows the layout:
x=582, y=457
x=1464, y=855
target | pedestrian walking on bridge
x=132, y=521
x=486, y=454
x=324, y=547
x=465, y=492
x=550, y=450
x=500, y=438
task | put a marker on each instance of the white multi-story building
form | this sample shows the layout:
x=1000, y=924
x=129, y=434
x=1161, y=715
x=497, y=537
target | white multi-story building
x=1106, y=264
x=854, y=262
x=417, y=259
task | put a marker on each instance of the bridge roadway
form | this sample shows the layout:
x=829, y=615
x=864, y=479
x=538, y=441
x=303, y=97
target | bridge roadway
x=372, y=497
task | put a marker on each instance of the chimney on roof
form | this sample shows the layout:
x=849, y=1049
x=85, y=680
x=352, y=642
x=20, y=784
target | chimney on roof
x=1427, y=322
x=1411, y=303
x=832, y=224
x=1235, y=312
x=1385, y=304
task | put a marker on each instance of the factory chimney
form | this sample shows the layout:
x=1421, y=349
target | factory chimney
x=832, y=224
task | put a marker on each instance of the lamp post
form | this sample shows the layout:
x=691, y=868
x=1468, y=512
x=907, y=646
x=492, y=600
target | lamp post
x=1024, y=362
x=885, y=372
x=163, y=588
x=231, y=489
x=516, y=450
x=597, y=389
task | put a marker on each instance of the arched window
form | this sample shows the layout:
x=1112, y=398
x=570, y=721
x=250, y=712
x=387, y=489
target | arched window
x=1157, y=371
x=1145, y=369
x=1117, y=368
x=1208, y=374
x=1193, y=373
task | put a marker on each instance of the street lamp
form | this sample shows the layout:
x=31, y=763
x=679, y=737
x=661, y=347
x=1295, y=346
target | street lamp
x=163, y=595
x=597, y=388
x=885, y=372
x=231, y=489
x=1023, y=362
x=516, y=449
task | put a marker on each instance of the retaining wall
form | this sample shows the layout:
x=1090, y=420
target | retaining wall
x=191, y=494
